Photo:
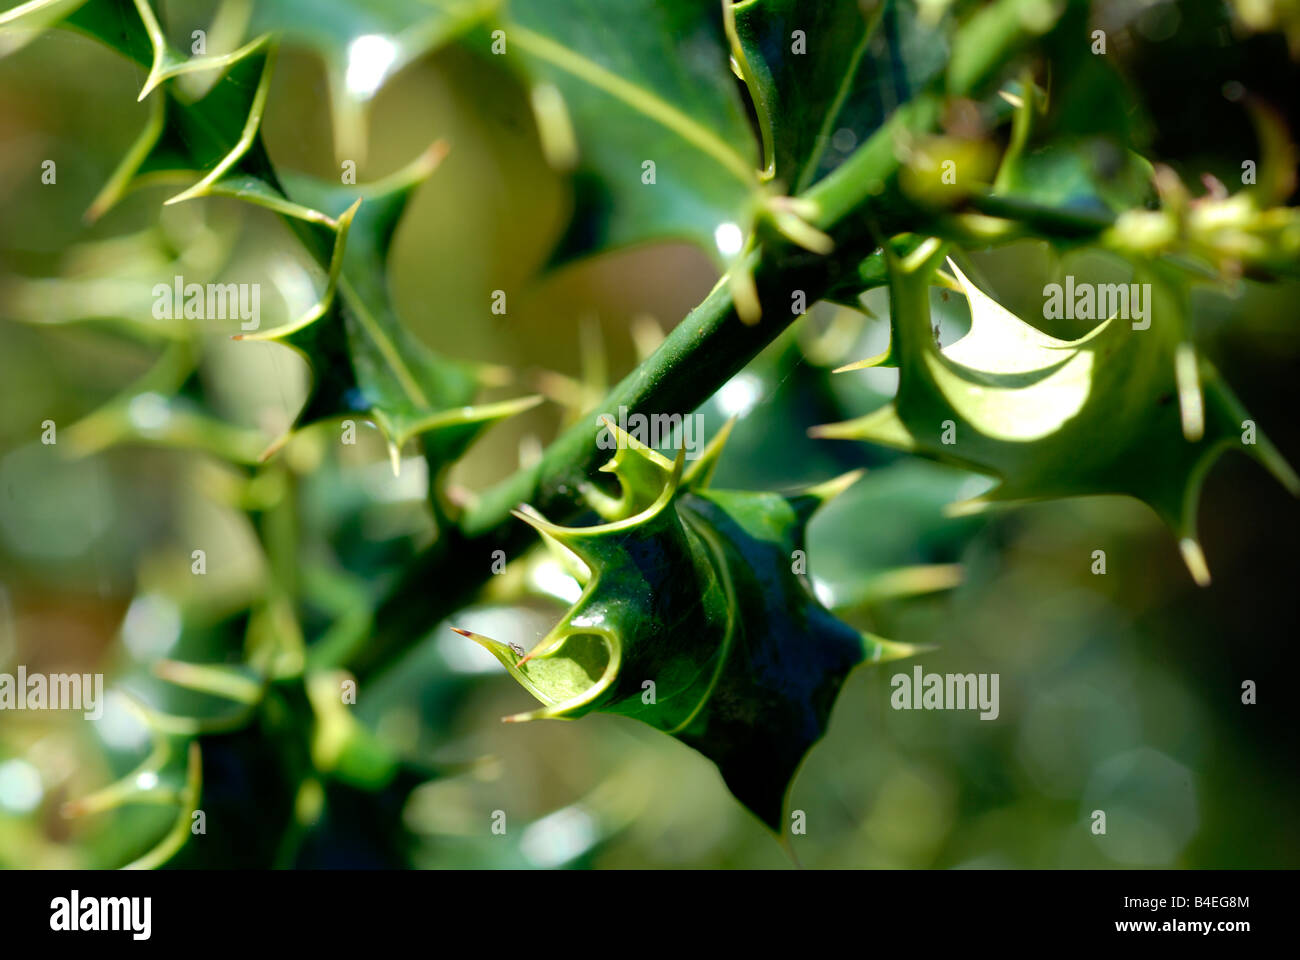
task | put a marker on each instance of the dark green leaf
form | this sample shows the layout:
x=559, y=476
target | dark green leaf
x=363, y=358
x=825, y=75
x=698, y=619
x=617, y=87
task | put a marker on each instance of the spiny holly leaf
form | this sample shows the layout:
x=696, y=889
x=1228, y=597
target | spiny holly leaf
x=167, y=407
x=824, y=76
x=132, y=27
x=212, y=142
x=697, y=618
x=200, y=141
x=362, y=357
x=651, y=86
x=1120, y=410
x=362, y=45
x=363, y=360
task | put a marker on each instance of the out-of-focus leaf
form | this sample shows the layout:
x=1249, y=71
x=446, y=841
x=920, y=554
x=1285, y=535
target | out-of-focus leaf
x=166, y=407
x=1071, y=172
x=1280, y=15
x=362, y=44
x=111, y=281
x=903, y=504
x=567, y=837
x=1088, y=176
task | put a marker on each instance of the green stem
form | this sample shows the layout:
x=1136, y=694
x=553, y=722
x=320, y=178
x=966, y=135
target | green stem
x=858, y=204
x=1044, y=221
x=704, y=351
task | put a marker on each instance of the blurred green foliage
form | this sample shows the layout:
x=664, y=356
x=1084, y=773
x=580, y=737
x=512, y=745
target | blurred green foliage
x=1119, y=692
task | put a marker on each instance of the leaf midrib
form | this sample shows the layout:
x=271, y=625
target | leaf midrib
x=719, y=555
x=837, y=104
x=387, y=349
x=638, y=98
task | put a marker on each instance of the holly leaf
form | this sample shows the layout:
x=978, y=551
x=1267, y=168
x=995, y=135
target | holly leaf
x=646, y=117
x=1121, y=410
x=210, y=137
x=363, y=358
x=697, y=617
x=1091, y=175
x=362, y=45
x=825, y=76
